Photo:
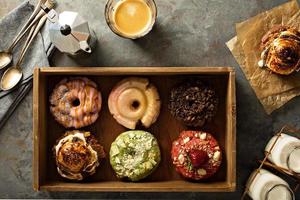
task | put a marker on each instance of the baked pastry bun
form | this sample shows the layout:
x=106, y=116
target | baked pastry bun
x=281, y=50
x=77, y=155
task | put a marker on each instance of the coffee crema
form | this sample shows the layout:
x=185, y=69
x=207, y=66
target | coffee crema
x=132, y=17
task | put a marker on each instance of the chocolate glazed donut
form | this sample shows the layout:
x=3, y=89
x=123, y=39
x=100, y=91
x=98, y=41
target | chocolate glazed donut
x=281, y=50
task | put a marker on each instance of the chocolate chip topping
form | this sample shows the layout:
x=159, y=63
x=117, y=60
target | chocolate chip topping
x=193, y=102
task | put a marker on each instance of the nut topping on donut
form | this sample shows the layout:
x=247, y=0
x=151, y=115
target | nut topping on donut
x=134, y=100
x=197, y=159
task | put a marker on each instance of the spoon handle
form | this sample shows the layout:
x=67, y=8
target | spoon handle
x=34, y=13
x=26, y=42
x=37, y=17
x=34, y=32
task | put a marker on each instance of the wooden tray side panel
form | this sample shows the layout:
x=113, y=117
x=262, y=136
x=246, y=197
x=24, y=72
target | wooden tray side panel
x=231, y=131
x=107, y=71
x=39, y=129
x=35, y=138
x=167, y=186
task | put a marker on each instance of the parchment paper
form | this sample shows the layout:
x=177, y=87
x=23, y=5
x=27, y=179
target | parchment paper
x=272, y=90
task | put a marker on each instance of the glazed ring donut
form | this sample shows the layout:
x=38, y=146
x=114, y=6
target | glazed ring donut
x=132, y=100
x=75, y=102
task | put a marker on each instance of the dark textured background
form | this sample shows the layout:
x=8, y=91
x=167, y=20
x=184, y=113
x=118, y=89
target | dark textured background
x=187, y=33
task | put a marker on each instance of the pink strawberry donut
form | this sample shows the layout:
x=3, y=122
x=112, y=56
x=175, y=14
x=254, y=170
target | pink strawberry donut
x=196, y=155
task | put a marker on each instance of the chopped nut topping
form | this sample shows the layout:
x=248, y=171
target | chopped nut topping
x=181, y=159
x=117, y=160
x=217, y=155
x=202, y=136
x=185, y=140
x=201, y=172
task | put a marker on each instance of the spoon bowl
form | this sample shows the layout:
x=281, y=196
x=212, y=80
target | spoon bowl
x=5, y=59
x=11, y=78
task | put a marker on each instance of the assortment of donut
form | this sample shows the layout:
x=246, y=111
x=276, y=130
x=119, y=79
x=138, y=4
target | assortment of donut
x=134, y=154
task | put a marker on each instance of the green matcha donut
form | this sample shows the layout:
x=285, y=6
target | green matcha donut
x=134, y=155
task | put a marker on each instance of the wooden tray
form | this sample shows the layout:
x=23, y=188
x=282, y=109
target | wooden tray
x=46, y=130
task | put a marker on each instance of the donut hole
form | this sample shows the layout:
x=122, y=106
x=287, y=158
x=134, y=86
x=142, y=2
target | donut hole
x=135, y=104
x=131, y=151
x=76, y=102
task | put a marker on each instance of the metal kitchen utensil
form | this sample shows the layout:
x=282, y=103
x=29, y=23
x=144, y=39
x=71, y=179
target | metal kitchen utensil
x=13, y=75
x=70, y=33
x=6, y=56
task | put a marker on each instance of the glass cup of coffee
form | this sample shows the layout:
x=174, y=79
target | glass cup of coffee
x=130, y=18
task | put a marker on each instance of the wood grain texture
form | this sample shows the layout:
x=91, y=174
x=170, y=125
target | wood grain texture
x=135, y=70
x=106, y=129
x=35, y=164
x=39, y=127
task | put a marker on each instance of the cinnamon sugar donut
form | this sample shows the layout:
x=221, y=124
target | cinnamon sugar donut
x=75, y=102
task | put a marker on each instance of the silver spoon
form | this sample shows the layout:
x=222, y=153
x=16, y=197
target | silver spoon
x=6, y=56
x=13, y=75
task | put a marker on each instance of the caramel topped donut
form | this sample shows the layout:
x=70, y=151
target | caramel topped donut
x=77, y=154
x=281, y=50
x=75, y=102
x=132, y=100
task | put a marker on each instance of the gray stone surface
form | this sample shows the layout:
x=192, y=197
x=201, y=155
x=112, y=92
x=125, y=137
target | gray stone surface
x=187, y=33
